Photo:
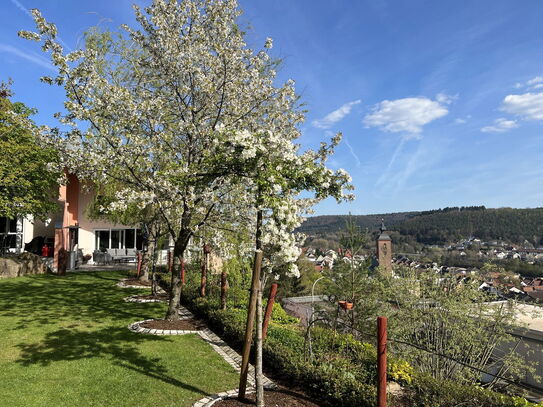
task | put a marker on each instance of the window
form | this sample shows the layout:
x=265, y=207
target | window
x=8, y=234
x=117, y=239
x=102, y=240
x=139, y=239
x=130, y=238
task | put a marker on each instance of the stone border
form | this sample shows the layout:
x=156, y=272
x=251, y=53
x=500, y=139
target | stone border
x=233, y=359
x=210, y=400
x=137, y=328
x=185, y=313
x=134, y=298
x=123, y=284
x=226, y=352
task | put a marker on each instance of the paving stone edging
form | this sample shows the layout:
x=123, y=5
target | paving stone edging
x=137, y=328
x=221, y=347
x=135, y=298
x=123, y=284
x=210, y=400
x=233, y=359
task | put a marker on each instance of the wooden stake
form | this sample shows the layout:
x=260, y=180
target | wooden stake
x=255, y=285
x=205, y=265
x=139, y=264
x=269, y=310
x=381, y=361
x=259, y=378
x=249, y=327
x=224, y=288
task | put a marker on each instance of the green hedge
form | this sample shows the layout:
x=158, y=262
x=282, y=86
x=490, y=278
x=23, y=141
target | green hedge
x=344, y=372
x=429, y=392
x=283, y=352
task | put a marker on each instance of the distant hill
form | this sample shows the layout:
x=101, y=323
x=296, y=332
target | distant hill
x=441, y=226
x=336, y=223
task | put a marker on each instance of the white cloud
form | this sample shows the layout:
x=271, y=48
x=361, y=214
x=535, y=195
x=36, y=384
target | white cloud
x=500, y=125
x=534, y=83
x=407, y=115
x=462, y=120
x=330, y=119
x=446, y=99
x=528, y=105
x=36, y=59
x=536, y=80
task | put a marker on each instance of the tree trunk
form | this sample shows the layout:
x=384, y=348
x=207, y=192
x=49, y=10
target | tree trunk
x=224, y=288
x=175, y=294
x=146, y=259
x=259, y=379
x=181, y=243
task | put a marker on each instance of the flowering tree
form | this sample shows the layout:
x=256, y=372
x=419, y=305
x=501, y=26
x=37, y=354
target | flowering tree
x=273, y=173
x=157, y=101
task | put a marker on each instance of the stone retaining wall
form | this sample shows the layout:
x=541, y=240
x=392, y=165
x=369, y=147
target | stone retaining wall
x=21, y=265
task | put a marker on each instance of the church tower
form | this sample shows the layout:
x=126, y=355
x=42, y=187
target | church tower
x=384, y=250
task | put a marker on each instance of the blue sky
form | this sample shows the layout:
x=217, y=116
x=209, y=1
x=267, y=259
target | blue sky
x=440, y=102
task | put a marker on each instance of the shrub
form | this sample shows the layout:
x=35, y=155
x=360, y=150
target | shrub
x=429, y=392
x=280, y=316
x=344, y=372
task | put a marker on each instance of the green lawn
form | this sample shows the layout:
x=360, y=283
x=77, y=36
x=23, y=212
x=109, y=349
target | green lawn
x=64, y=342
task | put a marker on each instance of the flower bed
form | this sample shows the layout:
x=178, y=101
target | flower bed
x=345, y=372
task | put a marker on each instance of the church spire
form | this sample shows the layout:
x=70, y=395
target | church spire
x=384, y=250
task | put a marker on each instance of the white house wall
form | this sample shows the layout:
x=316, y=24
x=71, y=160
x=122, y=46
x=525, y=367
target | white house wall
x=88, y=226
x=28, y=230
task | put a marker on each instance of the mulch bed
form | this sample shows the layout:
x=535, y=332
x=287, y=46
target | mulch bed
x=280, y=397
x=135, y=281
x=181, y=325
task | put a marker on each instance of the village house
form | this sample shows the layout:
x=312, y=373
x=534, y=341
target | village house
x=70, y=236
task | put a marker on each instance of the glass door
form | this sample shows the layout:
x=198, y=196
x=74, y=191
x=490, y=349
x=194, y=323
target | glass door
x=117, y=239
x=102, y=240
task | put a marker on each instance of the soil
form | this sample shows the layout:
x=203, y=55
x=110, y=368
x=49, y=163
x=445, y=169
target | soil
x=135, y=281
x=182, y=325
x=280, y=397
x=162, y=297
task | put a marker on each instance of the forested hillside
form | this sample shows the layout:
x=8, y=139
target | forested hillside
x=441, y=226
x=336, y=223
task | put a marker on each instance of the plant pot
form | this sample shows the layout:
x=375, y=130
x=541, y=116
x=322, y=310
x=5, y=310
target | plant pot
x=345, y=305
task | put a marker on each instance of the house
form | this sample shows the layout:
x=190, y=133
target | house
x=70, y=231
x=501, y=255
x=533, y=288
x=527, y=342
